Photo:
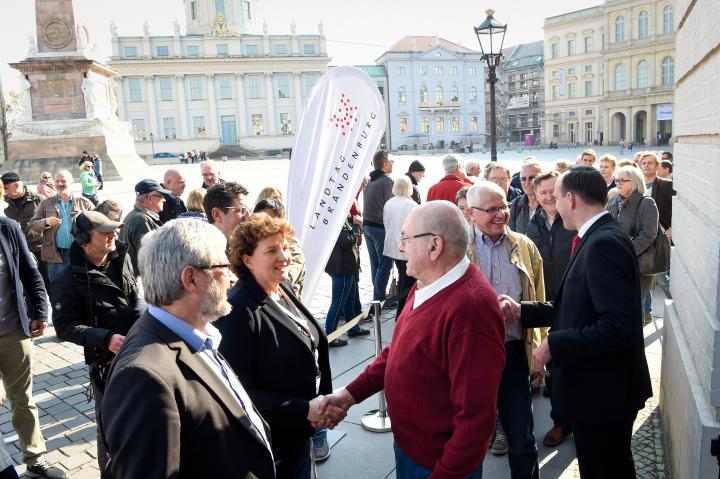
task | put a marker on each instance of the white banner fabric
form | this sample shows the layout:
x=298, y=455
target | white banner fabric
x=338, y=134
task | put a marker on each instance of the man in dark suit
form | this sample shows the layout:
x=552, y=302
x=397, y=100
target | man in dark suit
x=596, y=335
x=660, y=189
x=173, y=407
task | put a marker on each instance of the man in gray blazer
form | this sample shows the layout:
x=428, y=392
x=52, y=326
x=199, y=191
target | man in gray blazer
x=173, y=407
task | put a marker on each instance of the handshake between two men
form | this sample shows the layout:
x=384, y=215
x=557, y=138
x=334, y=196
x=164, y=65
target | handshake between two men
x=328, y=411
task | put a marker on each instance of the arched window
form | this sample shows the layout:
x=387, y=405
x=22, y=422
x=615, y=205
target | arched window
x=620, y=29
x=643, y=29
x=455, y=94
x=667, y=78
x=423, y=95
x=473, y=94
x=620, y=77
x=643, y=75
x=439, y=95
x=668, y=19
x=401, y=95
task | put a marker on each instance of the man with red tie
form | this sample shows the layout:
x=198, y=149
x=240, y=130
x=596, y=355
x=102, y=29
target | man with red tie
x=596, y=335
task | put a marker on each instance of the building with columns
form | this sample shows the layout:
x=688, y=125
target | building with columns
x=609, y=73
x=221, y=83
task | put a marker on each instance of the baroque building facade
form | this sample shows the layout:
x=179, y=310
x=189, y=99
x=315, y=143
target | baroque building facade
x=609, y=73
x=224, y=82
x=435, y=94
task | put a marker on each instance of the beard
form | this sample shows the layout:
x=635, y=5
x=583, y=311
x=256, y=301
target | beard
x=215, y=305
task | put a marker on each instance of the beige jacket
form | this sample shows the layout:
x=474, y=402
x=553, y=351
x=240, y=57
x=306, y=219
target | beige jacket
x=46, y=209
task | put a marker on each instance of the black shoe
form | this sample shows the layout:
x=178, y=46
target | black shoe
x=337, y=343
x=44, y=470
x=369, y=318
x=359, y=332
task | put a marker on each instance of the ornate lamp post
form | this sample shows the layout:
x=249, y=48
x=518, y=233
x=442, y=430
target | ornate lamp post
x=491, y=34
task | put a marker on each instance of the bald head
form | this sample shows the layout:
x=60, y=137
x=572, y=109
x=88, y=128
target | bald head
x=443, y=219
x=174, y=181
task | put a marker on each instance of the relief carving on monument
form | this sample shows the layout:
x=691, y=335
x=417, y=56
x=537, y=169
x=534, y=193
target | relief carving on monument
x=57, y=33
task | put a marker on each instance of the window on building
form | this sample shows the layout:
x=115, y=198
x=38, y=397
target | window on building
x=667, y=77
x=283, y=85
x=225, y=82
x=198, y=126
x=571, y=47
x=165, y=88
x=555, y=92
x=253, y=86
x=135, y=89
x=571, y=90
x=422, y=70
x=554, y=50
x=308, y=49
x=246, y=10
x=473, y=94
x=194, y=10
x=588, y=44
x=473, y=123
x=643, y=74
x=535, y=119
x=131, y=52
x=221, y=49
x=401, y=71
x=455, y=92
x=423, y=95
x=439, y=95
x=587, y=69
x=281, y=49
x=401, y=95
x=438, y=71
x=193, y=51
x=588, y=88
x=251, y=50
x=453, y=70
x=169, y=128
x=620, y=77
x=286, y=123
x=472, y=71
x=256, y=122
x=138, y=129
x=556, y=130
x=440, y=124
x=619, y=29
x=196, y=92
x=220, y=7
x=535, y=82
x=425, y=125
x=668, y=20
x=455, y=124
x=162, y=51
x=588, y=112
x=310, y=80
x=643, y=27
x=403, y=125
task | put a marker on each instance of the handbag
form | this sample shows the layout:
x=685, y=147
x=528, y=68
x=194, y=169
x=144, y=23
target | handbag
x=656, y=258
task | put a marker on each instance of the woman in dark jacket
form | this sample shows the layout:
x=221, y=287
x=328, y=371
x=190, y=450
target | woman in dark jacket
x=273, y=343
x=343, y=267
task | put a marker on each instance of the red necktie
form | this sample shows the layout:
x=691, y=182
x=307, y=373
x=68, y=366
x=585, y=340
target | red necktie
x=575, y=242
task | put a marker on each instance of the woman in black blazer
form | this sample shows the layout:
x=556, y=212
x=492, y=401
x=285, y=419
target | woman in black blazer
x=276, y=347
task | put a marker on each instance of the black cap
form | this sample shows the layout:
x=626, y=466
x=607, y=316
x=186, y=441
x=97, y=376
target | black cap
x=94, y=220
x=416, y=166
x=148, y=186
x=10, y=177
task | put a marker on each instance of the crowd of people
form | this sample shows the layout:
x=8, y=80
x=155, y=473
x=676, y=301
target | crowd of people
x=198, y=342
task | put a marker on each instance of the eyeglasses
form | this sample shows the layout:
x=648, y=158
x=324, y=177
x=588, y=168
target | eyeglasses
x=524, y=179
x=242, y=209
x=622, y=181
x=491, y=211
x=499, y=181
x=45, y=177
x=404, y=241
x=224, y=266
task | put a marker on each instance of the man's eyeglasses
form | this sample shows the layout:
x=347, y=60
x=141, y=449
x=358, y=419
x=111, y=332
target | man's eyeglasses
x=404, y=241
x=242, y=209
x=491, y=211
x=524, y=179
x=224, y=266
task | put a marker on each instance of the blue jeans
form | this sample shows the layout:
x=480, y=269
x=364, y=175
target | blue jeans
x=380, y=265
x=405, y=468
x=55, y=268
x=646, y=297
x=515, y=408
x=343, y=299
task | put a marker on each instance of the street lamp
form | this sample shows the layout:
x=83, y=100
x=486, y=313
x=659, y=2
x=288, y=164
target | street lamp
x=152, y=144
x=491, y=34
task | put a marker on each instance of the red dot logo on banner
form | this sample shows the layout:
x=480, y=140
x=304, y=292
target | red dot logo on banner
x=345, y=118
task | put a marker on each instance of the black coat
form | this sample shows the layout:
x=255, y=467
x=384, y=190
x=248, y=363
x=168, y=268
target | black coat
x=166, y=414
x=416, y=192
x=173, y=207
x=662, y=193
x=555, y=246
x=25, y=280
x=22, y=210
x=89, y=307
x=274, y=361
x=597, y=330
x=344, y=257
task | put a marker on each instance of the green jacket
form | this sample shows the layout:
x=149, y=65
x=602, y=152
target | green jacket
x=137, y=224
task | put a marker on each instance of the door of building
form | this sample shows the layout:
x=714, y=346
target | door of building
x=229, y=130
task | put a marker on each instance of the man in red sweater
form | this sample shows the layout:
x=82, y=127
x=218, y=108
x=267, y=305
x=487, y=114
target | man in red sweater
x=442, y=371
x=448, y=186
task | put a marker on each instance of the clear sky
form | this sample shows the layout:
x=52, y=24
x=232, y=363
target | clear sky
x=358, y=32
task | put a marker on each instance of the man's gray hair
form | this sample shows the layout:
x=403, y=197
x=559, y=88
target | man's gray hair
x=402, y=186
x=637, y=180
x=472, y=164
x=473, y=194
x=445, y=219
x=450, y=163
x=65, y=174
x=165, y=252
x=212, y=164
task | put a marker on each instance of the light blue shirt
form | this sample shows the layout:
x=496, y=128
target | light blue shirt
x=206, y=344
x=63, y=238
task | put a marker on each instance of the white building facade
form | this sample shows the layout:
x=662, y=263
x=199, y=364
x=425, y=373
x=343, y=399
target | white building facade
x=609, y=73
x=222, y=83
x=435, y=94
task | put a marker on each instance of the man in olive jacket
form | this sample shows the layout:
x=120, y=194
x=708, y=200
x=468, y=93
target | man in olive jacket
x=144, y=217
